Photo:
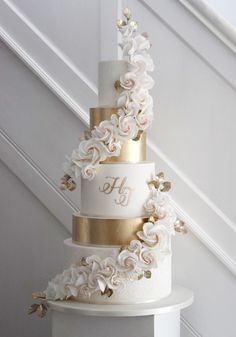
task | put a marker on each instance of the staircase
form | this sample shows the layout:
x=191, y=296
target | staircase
x=191, y=140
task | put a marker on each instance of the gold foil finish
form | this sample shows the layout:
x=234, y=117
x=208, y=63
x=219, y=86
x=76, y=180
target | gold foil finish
x=100, y=114
x=132, y=150
x=109, y=232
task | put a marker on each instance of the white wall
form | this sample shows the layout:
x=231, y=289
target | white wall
x=191, y=139
x=213, y=311
x=225, y=8
x=31, y=252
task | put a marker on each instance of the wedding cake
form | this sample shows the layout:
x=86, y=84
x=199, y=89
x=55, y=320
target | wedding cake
x=120, y=250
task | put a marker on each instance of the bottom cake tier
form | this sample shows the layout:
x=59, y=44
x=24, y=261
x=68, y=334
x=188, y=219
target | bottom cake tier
x=138, y=291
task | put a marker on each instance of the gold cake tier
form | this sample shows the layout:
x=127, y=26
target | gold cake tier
x=109, y=232
x=132, y=150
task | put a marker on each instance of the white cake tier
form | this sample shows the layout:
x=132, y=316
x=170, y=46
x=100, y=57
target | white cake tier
x=108, y=73
x=118, y=190
x=142, y=291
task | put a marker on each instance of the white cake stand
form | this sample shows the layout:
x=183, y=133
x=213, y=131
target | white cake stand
x=156, y=319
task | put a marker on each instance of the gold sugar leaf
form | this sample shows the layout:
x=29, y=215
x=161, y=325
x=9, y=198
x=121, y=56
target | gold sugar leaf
x=108, y=292
x=140, y=276
x=147, y=274
x=166, y=186
x=40, y=295
x=67, y=183
x=83, y=261
x=120, y=23
x=160, y=175
x=71, y=185
x=152, y=218
x=145, y=34
x=32, y=308
x=117, y=85
x=87, y=134
x=154, y=183
x=138, y=136
x=40, y=309
x=123, y=248
x=180, y=227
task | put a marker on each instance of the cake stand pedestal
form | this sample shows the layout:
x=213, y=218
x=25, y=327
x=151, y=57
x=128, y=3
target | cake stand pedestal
x=156, y=319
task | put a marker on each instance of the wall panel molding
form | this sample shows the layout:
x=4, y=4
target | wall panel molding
x=36, y=180
x=187, y=330
x=190, y=30
x=53, y=67
x=208, y=226
x=213, y=21
x=213, y=227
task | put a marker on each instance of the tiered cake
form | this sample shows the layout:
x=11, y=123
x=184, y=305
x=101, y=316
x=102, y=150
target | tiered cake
x=120, y=250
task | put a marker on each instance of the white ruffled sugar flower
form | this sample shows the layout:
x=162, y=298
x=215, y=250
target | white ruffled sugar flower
x=157, y=204
x=128, y=29
x=123, y=99
x=142, y=98
x=89, y=171
x=129, y=81
x=106, y=131
x=155, y=235
x=66, y=284
x=128, y=260
x=127, y=128
x=148, y=234
x=147, y=259
x=131, y=45
x=144, y=119
x=135, y=246
x=140, y=64
x=147, y=81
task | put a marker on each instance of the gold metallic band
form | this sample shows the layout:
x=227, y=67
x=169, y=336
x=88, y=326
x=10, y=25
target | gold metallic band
x=132, y=150
x=98, y=231
x=99, y=114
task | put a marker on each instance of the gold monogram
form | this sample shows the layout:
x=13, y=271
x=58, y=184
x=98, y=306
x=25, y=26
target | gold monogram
x=117, y=183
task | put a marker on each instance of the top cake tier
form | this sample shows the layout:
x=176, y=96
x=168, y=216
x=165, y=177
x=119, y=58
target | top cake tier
x=108, y=73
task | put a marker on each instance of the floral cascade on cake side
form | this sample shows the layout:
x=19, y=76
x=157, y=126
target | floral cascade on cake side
x=135, y=261
x=135, y=111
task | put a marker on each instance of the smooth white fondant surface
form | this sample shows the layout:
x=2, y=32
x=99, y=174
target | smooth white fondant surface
x=108, y=73
x=126, y=198
x=179, y=299
x=142, y=291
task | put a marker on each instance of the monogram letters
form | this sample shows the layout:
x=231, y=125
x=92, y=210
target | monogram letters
x=119, y=184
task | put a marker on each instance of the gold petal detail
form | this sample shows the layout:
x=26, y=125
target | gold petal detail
x=159, y=183
x=120, y=23
x=152, y=218
x=40, y=309
x=117, y=85
x=147, y=274
x=87, y=134
x=107, y=292
x=37, y=295
x=160, y=175
x=67, y=183
x=138, y=135
x=180, y=227
x=83, y=261
x=140, y=276
x=166, y=186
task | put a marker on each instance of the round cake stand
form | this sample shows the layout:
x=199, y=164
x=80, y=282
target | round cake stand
x=156, y=319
